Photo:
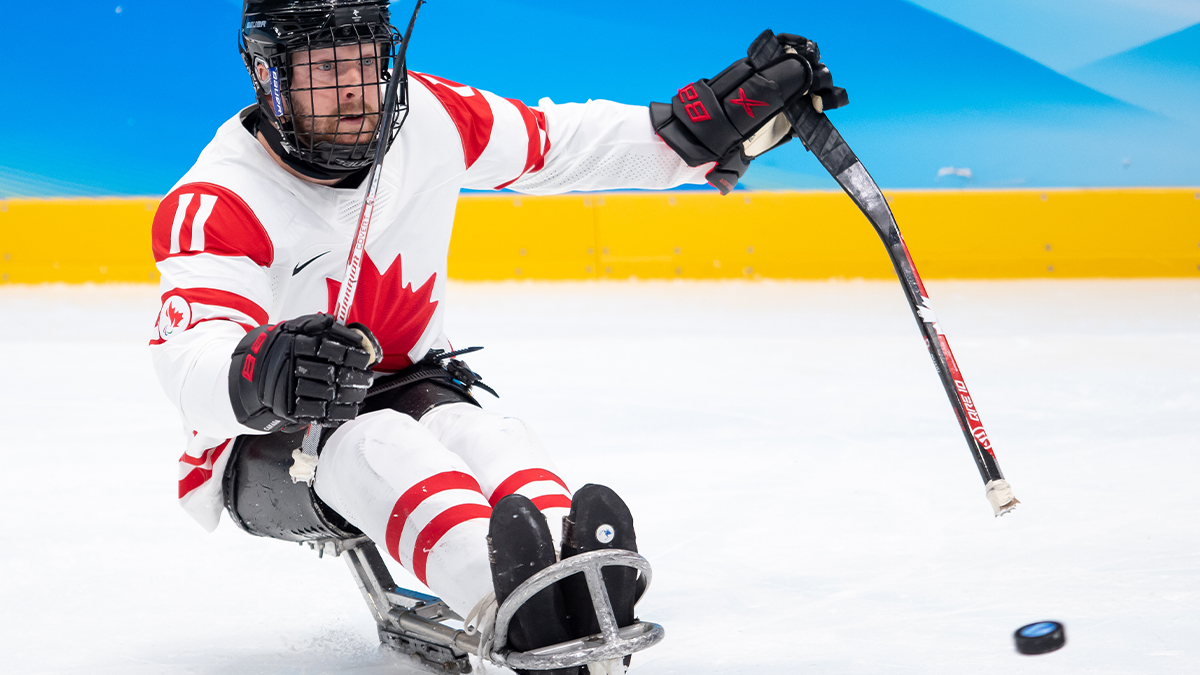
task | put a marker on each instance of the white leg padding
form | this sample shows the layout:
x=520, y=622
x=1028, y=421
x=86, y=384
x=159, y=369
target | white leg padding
x=505, y=455
x=391, y=478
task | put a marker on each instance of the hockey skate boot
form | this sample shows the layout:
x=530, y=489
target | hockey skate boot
x=520, y=545
x=600, y=520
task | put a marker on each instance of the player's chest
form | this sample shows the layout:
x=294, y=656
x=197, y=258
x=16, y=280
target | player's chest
x=406, y=249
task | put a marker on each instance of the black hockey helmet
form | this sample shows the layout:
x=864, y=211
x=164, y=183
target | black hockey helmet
x=319, y=68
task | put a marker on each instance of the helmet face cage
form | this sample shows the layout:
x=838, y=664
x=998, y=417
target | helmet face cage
x=320, y=77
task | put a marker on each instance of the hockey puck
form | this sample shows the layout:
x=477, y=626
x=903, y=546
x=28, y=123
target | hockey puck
x=1040, y=637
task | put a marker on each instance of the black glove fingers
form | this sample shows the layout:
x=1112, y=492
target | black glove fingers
x=345, y=335
x=341, y=412
x=306, y=370
x=332, y=352
x=309, y=324
x=728, y=80
x=314, y=389
x=349, y=377
x=351, y=395
x=306, y=345
x=821, y=78
x=832, y=98
x=357, y=359
x=310, y=409
x=316, y=370
x=364, y=332
x=764, y=50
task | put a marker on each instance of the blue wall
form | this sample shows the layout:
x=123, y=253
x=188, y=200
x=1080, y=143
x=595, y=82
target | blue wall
x=125, y=107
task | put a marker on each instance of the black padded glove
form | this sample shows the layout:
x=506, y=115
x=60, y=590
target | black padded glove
x=735, y=116
x=309, y=369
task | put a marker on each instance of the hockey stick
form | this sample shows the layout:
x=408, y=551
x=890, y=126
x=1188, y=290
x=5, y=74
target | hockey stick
x=305, y=464
x=819, y=136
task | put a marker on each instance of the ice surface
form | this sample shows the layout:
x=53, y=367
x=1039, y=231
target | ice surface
x=798, y=480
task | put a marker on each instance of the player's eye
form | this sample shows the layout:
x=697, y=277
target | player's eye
x=325, y=67
x=368, y=61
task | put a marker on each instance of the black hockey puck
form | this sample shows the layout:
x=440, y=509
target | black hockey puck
x=1040, y=637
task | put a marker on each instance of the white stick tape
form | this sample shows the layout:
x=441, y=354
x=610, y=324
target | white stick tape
x=1000, y=494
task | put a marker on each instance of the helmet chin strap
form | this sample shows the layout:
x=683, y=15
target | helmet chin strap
x=275, y=142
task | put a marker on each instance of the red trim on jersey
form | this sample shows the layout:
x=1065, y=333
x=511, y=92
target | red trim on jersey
x=230, y=228
x=219, y=298
x=522, y=478
x=412, y=498
x=535, y=155
x=438, y=527
x=551, y=501
x=471, y=113
x=203, y=471
x=397, y=314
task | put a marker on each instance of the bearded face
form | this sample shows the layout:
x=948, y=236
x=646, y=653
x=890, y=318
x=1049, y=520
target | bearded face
x=335, y=94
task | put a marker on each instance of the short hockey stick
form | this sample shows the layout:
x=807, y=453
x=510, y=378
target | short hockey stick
x=304, y=467
x=819, y=136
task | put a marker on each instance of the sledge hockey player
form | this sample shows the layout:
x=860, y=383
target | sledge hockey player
x=252, y=243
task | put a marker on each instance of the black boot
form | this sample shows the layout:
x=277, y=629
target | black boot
x=519, y=546
x=598, y=520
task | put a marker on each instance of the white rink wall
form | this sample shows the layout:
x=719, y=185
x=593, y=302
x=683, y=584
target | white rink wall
x=798, y=479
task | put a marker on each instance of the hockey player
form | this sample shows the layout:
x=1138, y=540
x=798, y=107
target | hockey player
x=252, y=241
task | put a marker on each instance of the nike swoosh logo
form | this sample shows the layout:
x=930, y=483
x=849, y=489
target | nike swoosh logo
x=306, y=263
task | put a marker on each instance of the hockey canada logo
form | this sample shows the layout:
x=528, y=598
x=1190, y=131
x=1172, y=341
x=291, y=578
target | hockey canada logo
x=174, y=317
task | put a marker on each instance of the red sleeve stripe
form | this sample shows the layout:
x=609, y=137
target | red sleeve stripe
x=245, y=326
x=535, y=155
x=544, y=130
x=219, y=298
x=438, y=527
x=522, y=478
x=467, y=107
x=412, y=498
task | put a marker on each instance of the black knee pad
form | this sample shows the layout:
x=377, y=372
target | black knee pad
x=259, y=493
x=262, y=499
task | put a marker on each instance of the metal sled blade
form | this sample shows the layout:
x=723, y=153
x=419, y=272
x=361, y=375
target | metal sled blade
x=610, y=643
x=408, y=622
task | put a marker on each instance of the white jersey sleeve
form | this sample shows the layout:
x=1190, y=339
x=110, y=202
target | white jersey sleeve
x=213, y=255
x=550, y=149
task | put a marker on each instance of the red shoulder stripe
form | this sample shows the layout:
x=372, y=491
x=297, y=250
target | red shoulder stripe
x=535, y=155
x=468, y=108
x=207, y=218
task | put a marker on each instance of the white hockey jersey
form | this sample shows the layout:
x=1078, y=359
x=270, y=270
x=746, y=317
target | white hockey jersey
x=240, y=242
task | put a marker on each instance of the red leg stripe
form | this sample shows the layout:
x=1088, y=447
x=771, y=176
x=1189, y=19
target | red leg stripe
x=440, y=525
x=410, y=500
x=551, y=501
x=522, y=478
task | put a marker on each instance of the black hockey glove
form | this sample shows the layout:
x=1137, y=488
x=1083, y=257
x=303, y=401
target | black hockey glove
x=735, y=116
x=309, y=369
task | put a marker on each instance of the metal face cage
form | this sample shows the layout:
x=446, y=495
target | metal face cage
x=322, y=88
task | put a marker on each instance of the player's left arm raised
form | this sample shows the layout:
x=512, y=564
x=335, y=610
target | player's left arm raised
x=743, y=111
x=711, y=130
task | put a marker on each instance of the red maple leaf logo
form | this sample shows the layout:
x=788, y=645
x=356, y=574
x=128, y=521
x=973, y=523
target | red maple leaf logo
x=747, y=103
x=395, y=313
x=174, y=316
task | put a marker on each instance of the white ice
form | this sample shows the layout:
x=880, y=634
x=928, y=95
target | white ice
x=799, y=482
